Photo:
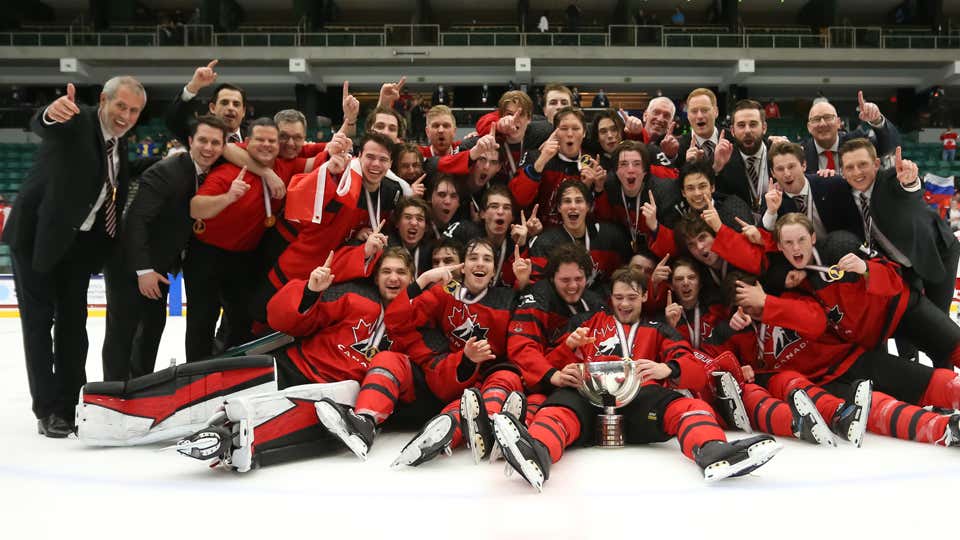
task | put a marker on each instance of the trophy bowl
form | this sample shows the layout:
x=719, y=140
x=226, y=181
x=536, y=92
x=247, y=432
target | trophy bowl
x=609, y=382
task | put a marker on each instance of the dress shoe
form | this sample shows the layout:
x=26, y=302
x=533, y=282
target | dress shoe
x=54, y=427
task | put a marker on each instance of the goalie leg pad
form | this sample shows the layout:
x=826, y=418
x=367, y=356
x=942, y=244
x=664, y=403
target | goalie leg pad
x=169, y=404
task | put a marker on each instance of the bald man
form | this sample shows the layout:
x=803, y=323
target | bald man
x=823, y=124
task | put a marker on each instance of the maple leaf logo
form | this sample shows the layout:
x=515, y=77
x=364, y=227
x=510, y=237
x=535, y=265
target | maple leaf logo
x=362, y=334
x=465, y=325
x=783, y=338
x=835, y=315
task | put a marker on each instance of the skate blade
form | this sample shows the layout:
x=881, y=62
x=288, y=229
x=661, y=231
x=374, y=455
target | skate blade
x=507, y=436
x=202, y=448
x=331, y=420
x=858, y=428
x=731, y=391
x=469, y=410
x=496, y=453
x=821, y=431
x=758, y=455
x=439, y=432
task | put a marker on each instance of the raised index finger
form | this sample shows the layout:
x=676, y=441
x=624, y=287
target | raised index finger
x=242, y=172
x=860, y=99
x=663, y=261
x=329, y=260
x=899, y=157
x=213, y=63
x=420, y=180
x=401, y=82
x=346, y=88
x=653, y=201
x=533, y=214
x=669, y=297
x=741, y=222
x=523, y=219
x=380, y=226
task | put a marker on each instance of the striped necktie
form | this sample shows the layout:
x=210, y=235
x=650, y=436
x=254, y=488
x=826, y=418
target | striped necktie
x=110, y=203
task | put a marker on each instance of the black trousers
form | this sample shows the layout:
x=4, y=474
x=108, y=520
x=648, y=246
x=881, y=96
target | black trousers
x=894, y=376
x=928, y=328
x=940, y=294
x=134, y=324
x=57, y=300
x=216, y=279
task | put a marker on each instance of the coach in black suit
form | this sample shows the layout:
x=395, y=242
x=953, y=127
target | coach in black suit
x=898, y=222
x=822, y=149
x=228, y=103
x=156, y=231
x=63, y=225
x=826, y=201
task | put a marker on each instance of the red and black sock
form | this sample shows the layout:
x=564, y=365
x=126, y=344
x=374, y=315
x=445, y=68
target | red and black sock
x=889, y=416
x=389, y=379
x=557, y=428
x=693, y=423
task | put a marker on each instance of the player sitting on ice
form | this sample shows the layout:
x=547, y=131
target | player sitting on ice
x=656, y=414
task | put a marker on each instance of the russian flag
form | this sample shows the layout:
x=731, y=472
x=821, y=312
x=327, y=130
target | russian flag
x=937, y=192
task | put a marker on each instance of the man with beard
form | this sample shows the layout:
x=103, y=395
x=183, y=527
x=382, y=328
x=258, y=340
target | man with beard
x=441, y=130
x=746, y=173
x=658, y=413
x=822, y=149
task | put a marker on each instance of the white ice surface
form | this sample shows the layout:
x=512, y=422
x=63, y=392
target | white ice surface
x=62, y=489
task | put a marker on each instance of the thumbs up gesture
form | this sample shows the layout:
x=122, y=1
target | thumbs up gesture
x=65, y=107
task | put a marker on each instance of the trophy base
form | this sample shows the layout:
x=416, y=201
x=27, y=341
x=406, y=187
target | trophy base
x=610, y=430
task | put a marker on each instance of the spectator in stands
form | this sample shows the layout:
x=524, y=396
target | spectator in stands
x=544, y=24
x=949, y=138
x=64, y=225
x=600, y=100
x=678, y=17
x=772, y=110
x=573, y=17
x=576, y=97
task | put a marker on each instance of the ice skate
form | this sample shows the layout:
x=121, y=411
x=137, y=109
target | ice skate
x=850, y=420
x=516, y=406
x=434, y=438
x=525, y=454
x=208, y=443
x=356, y=431
x=808, y=424
x=729, y=403
x=721, y=459
x=477, y=430
x=952, y=436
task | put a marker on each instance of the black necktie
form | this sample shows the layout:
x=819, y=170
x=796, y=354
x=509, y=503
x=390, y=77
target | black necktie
x=801, y=202
x=708, y=147
x=109, y=204
x=867, y=220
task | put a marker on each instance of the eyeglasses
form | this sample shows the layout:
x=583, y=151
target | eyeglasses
x=813, y=120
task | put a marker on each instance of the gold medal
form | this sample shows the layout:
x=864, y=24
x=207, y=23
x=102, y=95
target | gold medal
x=199, y=227
x=834, y=273
x=270, y=221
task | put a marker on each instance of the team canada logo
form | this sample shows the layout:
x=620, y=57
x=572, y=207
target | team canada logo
x=835, y=315
x=609, y=347
x=465, y=325
x=782, y=339
x=363, y=333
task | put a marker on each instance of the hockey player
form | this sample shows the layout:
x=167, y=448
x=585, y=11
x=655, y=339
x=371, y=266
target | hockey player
x=655, y=415
x=474, y=318
x=411, y=221
x=607, y=244
x=559, y=159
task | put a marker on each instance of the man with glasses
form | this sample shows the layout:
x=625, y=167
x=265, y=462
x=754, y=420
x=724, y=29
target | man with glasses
x=823, y=123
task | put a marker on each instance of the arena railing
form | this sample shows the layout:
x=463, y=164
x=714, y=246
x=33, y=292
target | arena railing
x=618, y=35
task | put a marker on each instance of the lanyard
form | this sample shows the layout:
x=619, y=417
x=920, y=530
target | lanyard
x=416, y=261
x=586, y=243
x=636, y=219
x=695, y=329
x=626, y=341
x=269, y=220
x=573, y=311
x=503, y=256
x=374, y=216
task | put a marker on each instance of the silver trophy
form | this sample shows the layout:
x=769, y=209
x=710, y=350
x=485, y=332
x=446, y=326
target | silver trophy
x=609, y=385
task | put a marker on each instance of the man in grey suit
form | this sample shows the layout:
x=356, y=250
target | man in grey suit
x=63, y=226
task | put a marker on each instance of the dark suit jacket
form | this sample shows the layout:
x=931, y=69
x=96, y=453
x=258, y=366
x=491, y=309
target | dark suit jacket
x=60, y=190
x=912, y=226
x=181, y=115
x=158, y=224
x=888, y=139
x=835, y=206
